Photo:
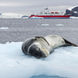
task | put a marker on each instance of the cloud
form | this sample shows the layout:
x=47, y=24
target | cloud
x=34, y=3
x=13, y=4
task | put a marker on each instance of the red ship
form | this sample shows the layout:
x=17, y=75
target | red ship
x=48, y=14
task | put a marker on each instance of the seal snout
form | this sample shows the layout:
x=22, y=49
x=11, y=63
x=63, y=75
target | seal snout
x=35, y=51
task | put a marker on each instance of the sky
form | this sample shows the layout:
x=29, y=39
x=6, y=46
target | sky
x=25, y=6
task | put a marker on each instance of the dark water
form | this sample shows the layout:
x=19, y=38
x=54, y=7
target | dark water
x=45, y=76
x=20, y=29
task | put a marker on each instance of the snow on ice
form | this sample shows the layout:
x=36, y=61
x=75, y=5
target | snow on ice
x=62, y=62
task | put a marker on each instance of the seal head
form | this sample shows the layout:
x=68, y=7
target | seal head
x=35, y=51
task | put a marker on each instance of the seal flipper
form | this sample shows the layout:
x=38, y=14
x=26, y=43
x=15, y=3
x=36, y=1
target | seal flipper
x=69, y=43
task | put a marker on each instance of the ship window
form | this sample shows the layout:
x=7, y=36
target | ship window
x=52, y=12
x=45, y=12
x=56, y=12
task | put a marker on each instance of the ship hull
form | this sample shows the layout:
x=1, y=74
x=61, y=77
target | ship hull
x=49, y=16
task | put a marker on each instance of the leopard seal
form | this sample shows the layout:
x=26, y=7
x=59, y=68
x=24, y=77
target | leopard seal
x=40, y=46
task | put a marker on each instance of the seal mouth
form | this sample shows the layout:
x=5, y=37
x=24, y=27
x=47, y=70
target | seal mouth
x=36, y=52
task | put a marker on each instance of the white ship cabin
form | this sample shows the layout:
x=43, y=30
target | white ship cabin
x=48, y=12
x=51, y=13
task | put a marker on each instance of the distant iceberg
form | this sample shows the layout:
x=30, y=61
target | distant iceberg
x=11, y=15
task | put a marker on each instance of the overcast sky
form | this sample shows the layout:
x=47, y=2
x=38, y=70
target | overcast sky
x=23, y=6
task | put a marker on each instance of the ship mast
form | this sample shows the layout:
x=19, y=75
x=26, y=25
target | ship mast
x=46, y=10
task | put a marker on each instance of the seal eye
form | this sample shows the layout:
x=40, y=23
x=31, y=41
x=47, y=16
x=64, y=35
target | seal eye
x=35, y=51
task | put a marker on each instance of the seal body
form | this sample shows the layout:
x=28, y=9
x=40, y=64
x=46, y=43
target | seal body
x=43, y=46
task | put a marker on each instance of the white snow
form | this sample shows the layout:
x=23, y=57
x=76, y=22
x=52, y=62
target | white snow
x=14, y=64
x=70, y=8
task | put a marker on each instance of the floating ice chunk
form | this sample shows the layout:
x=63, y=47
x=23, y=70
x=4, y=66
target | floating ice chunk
x=62, y=62
x=4, y=28
x=59, y=25
x=44, y=24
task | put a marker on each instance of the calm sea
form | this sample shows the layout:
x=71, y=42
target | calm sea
x=20, y=29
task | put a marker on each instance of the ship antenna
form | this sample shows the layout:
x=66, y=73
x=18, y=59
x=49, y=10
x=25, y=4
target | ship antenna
x=46, y=10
